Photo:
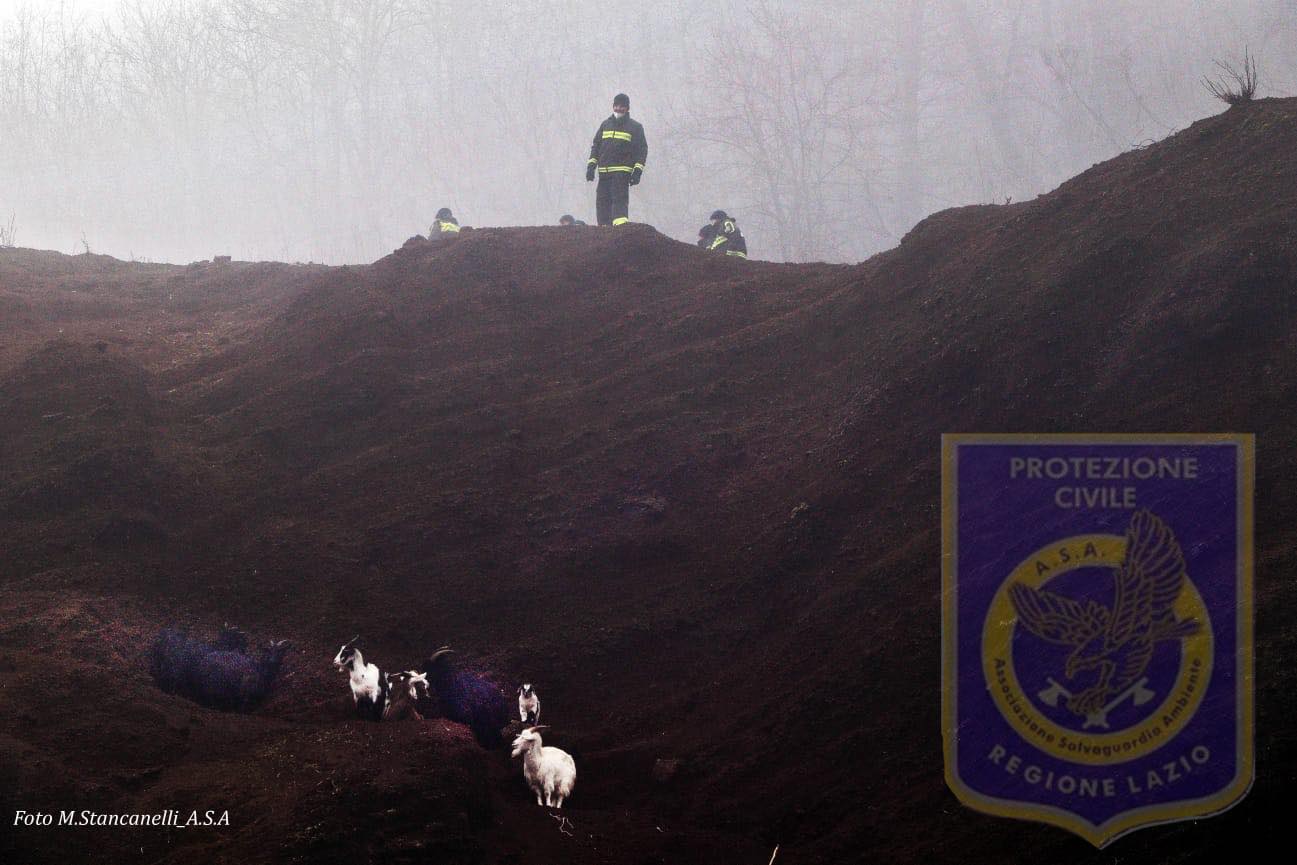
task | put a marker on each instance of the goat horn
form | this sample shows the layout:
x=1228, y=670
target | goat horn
x=539, y=727
x=444, y=650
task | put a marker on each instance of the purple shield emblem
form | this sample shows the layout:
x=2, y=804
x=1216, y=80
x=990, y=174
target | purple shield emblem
x=1097, y=627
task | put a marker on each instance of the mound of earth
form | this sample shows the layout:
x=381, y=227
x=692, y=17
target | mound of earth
x=695, y=500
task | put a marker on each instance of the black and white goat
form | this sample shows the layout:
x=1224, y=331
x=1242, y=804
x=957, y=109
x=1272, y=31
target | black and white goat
x=369, y=687
x=528, y=705
x=407, y=696
x=467, y=698
x=550, y=772
x=212, y=674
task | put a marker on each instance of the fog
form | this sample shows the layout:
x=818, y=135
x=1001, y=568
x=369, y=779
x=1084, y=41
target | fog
x=332, y=130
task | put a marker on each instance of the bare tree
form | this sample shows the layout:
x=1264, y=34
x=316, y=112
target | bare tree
x=911, y=195
x=778, y=119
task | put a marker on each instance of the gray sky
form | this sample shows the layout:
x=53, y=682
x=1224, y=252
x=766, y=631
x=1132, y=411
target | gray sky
x=84, y=7
x=331, y=131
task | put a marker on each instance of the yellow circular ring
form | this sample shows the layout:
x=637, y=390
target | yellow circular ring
x=1158, y=728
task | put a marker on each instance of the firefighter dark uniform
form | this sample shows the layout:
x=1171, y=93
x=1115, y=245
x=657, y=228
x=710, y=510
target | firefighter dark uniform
x=617, y=155
x=445, y=227
x=727, y=237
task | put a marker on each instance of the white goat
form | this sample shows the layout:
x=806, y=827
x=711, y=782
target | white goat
x=528, y=705
x=368, y=684
x=550, y=772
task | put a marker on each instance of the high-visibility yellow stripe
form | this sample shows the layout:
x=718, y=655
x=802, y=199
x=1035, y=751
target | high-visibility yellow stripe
x=620, y=220
x=620, y=136
x=639, y=165
x=720, y=238
x=604, y=169
x=592, y=161
x=736, y=253
x=450, y=226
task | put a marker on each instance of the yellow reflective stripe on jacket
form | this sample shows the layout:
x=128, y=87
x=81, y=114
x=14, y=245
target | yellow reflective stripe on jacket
x=592, y=161
x=639, y=165
x=736, y=253
x=620, y=136
x=604, y=169
x=621, y=220
x=449, y=226
x=720, y=238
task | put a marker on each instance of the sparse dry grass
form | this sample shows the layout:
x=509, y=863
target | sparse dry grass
x=1234, y=86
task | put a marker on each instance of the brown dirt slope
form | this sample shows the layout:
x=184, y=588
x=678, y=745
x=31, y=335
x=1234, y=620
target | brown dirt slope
x=696, y=500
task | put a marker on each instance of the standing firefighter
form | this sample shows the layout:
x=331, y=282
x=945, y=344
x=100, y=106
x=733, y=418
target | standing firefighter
x=726, y=236
x=618, y=155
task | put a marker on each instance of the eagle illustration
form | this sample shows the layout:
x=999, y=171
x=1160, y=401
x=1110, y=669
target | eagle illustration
x=1118, y=641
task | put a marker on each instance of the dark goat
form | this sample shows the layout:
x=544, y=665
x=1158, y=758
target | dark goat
x=467, y=698
x=212, y=675
x=231, y=639
x=174, y=661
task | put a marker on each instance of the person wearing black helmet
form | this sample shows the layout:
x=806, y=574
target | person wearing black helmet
x=617, y=155
x=726, y=236
x=445, y=225
x=706, y=235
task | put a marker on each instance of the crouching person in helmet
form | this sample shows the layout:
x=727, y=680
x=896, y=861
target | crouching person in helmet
x=445, y=226
x=706, y=235
x=725, y=235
